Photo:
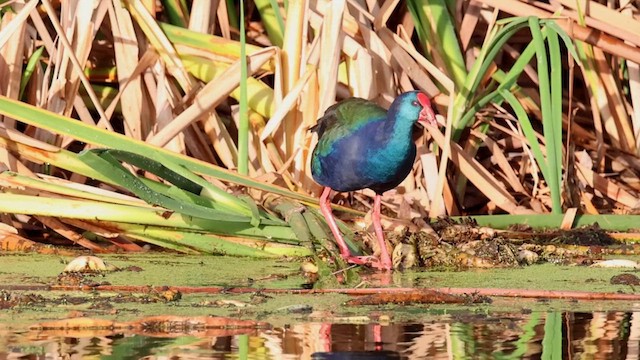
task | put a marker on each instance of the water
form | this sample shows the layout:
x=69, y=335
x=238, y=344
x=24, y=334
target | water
x=464, y=335
x=310, y=326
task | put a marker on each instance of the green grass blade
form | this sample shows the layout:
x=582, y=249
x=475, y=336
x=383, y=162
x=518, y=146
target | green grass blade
x=243, y=128
x=12, y=180
x=555, y=139
x=553, y=221
x=444, y=39
x=208, y=190
x=547, y=113
x=464, y=109
x=294, y=217
x=528, y=131
x=488, y=52
x=449, y=38
x=232, y=13
x=551, y=166
x=317, y=230
x=253, y=208
x=278, y=14
x=116, y=214
x=180, y=194
x=165, y=244
x=568, y=42
x=189, y=186
x=518, y=67
x=160, y=168
x=101, y=138
x=208, y=244
x=109, y=166
x=468, y=116
x=423, y=31
x=272, y=20
x=176, y=11
x=34, y=59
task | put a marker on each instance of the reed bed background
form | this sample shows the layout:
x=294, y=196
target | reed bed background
x=538, y=102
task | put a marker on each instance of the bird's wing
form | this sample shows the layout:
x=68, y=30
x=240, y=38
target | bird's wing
x=346, y=116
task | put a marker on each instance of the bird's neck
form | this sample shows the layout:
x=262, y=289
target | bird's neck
x=399, y=131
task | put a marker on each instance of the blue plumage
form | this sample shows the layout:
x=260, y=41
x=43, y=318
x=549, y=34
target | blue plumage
x=361, y=145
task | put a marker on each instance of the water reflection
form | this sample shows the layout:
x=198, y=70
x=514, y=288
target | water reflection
x=598, y=335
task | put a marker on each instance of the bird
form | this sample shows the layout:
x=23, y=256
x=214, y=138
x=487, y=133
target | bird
x=361, y=145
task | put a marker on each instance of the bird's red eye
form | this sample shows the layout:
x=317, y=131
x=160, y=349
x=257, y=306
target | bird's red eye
x=414, y=103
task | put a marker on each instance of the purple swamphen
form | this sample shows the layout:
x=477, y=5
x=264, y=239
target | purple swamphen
x=361, y=145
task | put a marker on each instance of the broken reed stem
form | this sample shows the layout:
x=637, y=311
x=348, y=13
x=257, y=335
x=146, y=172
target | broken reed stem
x=491, y=292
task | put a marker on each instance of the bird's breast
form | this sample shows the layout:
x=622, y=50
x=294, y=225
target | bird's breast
x=369, y=159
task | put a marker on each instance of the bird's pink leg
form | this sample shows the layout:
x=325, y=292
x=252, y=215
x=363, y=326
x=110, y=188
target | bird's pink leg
x=377, y=337
x=325, y=336
x=385, y=259
x=325, y=208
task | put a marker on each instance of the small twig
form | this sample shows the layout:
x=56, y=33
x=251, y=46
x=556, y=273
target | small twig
x=340, y=271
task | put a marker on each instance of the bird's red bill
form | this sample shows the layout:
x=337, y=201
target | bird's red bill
x=423, y=99
x=426, y=114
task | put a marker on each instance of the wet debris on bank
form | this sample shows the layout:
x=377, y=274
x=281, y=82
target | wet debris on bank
x=17, y=299
x=419, y=296
x=457, y=246
x=625, y=279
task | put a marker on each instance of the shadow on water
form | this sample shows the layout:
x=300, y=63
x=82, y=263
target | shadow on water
x=546, y=335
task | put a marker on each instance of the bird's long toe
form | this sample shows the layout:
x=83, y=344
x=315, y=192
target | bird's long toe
x=371, y=261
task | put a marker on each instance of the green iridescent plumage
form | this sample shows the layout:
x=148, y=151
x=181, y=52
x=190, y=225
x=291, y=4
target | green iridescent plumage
x=343, y=119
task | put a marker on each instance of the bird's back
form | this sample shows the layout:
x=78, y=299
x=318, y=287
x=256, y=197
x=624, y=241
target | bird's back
x=345, y=117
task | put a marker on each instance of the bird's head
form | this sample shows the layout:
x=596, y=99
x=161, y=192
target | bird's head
x=426, y=116
x=415, y=105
